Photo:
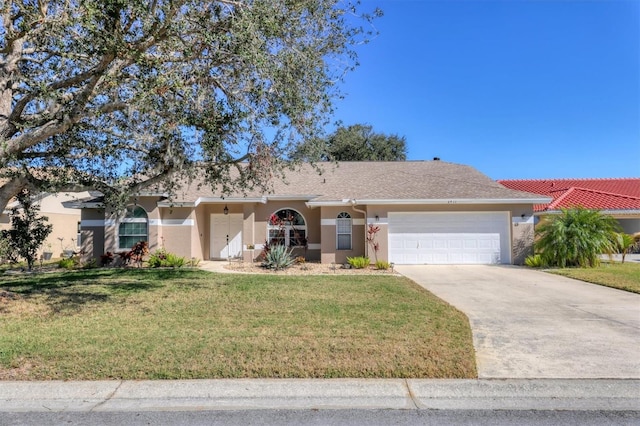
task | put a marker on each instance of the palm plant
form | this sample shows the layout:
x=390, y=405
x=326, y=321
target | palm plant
x=623, y=243
x=576, y=237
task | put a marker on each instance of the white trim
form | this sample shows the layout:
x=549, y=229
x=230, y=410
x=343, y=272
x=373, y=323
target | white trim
x=423, y=201
x=451, y=201
x=171, y=222
x=333, y=203
x=314, y=246
x=95, y=223
x=221, y=200
x=381, y=220
x=332, y=222
x=290, y=197
x=519, y=219
x=110, y=222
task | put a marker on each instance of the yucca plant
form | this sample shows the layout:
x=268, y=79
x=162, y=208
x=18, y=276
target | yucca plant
x=278, y=257
x=576, y=237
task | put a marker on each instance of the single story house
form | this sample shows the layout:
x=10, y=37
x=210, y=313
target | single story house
x=426, y=212
x=618, y=197
x=65, y=234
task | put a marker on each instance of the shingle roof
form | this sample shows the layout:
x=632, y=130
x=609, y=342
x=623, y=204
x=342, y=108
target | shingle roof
x=601, y=194
x=385, y=181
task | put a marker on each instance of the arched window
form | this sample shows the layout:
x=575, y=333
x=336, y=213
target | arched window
x=343, y=231
x=287, y=226
x=133, y=227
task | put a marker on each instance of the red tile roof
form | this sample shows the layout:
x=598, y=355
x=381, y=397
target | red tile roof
x=601, y=194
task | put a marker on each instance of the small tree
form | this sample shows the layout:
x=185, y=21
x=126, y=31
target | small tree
x=576, y=237
x=623, y=243
x=28, y=230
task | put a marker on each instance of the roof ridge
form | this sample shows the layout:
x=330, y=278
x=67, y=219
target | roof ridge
x=615, y=194
x=557, y=201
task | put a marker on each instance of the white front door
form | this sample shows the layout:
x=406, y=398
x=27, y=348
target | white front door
x=226, y=236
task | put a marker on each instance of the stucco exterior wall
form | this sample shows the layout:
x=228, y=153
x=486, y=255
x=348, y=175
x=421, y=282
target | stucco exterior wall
x=175, y=230
x=329, y=252
x=312, y=220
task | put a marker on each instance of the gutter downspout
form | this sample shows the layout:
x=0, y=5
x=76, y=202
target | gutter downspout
x=364, y=213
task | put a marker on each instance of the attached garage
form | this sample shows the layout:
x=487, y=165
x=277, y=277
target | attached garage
x=449, y=238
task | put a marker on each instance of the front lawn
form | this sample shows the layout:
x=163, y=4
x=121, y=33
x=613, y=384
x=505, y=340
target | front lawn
x=623, y=276
x=166, y=324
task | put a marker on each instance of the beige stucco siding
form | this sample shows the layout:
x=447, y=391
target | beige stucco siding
x=312, y=221
x=175, y=230
x=329, y=252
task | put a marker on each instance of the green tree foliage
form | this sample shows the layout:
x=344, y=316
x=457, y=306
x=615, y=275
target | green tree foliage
x=576, y=237
x=118, y=95
x=28, y=230
x=355, y=143
x=623, y=244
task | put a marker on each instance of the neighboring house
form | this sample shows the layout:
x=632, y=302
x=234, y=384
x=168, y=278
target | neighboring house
x=428, y=212
x=65, y=235
x=619, y=197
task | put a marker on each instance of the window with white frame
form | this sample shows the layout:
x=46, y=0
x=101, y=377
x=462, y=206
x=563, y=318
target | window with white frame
x=343, y=231
x=134, y=227
x=287, y=227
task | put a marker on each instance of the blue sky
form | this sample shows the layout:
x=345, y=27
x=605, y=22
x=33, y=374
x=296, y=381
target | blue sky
x=516, y=89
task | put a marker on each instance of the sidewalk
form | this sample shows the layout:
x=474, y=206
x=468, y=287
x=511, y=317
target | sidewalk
x=247, y=394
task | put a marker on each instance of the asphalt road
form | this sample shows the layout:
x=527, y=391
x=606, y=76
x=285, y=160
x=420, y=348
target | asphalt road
x=327, y=417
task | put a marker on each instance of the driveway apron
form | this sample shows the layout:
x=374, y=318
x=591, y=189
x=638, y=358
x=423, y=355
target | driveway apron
x=530, y=324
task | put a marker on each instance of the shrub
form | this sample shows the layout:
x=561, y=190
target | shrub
x=534, y=261
x=106, y=259
x=301, y=259
x=68, y=263
x=576, y=237
x=359, y=262
x=278, y=257
x=28, y=230
x=164, y=259
x=383, y=264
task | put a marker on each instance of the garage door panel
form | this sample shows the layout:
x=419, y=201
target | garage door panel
x=448, y=238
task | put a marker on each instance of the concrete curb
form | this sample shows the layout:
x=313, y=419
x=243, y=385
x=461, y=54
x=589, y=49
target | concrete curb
x=250, y=394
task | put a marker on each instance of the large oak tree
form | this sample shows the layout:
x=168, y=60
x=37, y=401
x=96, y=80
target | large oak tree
x=118, y=95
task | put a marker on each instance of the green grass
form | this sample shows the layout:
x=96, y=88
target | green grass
x=623, y=276
x=165, y=324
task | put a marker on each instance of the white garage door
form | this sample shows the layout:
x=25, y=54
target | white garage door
x=449, y=238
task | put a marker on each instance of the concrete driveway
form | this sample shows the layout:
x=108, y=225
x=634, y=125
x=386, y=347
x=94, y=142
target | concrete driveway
x=530, y=324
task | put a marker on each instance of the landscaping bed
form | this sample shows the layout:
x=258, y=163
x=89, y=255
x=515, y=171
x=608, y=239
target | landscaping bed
x=187, y=324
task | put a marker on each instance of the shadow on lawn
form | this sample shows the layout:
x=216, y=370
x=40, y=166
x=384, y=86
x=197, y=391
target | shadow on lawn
x=68, y=292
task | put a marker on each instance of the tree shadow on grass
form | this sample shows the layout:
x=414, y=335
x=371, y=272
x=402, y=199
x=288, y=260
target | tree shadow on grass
x=69, y=292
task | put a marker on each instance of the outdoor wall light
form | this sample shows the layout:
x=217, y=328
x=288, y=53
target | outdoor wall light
x=226, y=210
